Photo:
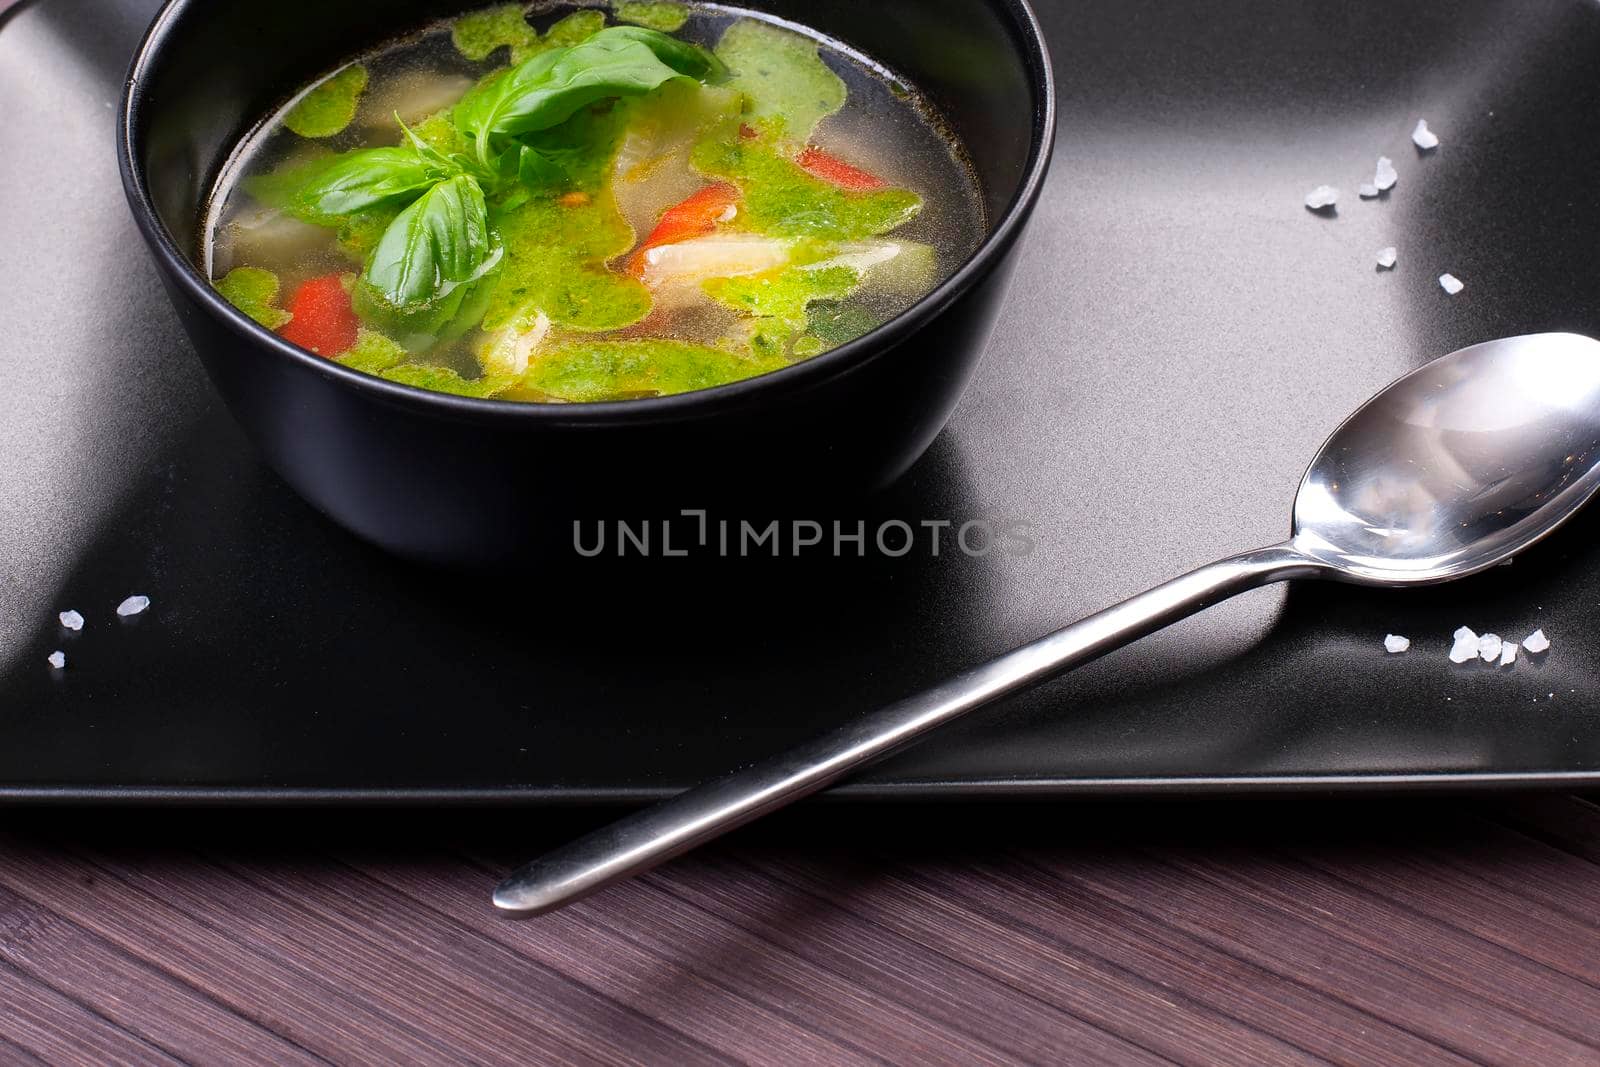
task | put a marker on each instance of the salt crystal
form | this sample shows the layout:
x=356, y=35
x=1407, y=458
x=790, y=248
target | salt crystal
x=1508, y=653
x=1465, y=634
x=1536, y=642
x=71, y=619
x=1465, y=648
x=1386, y=176
x=1451, y=284
x=1322, y=197
x=1387, y=257
x=1366, y=190
x=1396, y=643
x=133, y=605
x=1489, y=647
x=57, y=659
x=1423, y=137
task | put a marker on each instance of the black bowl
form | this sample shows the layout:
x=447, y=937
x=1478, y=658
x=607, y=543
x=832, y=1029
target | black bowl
x=463, y=480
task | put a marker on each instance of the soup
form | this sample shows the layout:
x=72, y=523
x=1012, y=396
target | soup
x=591, y=205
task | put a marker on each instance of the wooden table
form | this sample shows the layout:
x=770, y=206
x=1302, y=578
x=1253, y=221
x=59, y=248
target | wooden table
x=1354, y=930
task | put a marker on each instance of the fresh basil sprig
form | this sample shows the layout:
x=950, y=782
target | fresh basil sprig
x=549, y=88
x=367, y=179
x=442, y=240
x=439, y=242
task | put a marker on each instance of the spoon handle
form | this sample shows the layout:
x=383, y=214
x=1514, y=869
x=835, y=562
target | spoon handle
x=648, y=837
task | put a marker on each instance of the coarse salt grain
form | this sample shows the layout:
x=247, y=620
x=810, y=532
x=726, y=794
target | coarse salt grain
x=71, y=619
x=1536, y=642
x=1386, y=176
x=1322, y=197
x=1508, y=653
x=1465, y=648
x=1396, y=643
x=1489, y=647
x=133, y=605
x=1465, y=634
x=1387, y=257
x=57, y=659
x=1366, y=190
x=1451, y=284
x=1423, y=137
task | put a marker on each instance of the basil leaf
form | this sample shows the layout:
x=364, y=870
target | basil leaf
x=552, y=86
x=687, y=59
x=362, y=180
x=439, y=242
x=536, y=169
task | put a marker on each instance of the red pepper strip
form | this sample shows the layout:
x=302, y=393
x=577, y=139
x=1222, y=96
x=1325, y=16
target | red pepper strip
x=324, y=322
x=694, y=216
x=832, y=168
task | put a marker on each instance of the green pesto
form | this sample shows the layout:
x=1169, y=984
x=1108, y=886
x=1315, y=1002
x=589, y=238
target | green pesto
x=606, y=370
x=660, y=15
x=478, y=35
x=373, y=353
x=328, y=109
x=555, y=262
x=784, y=294
x=575, y=28
x=444, y=380
x=440, y=134
x=255, y=292
x=786, y=81
x=782, y=200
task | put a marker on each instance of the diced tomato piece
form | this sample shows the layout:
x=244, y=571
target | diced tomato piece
x=694, y=216
x=831, y=168
x=324, y=322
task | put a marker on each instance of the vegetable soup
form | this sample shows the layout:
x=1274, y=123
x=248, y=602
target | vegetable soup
x=587, y=204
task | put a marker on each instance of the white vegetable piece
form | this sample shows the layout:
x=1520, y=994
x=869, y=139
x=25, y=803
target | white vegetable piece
x=1387, y=257
x=1508, y=653
x=71, y=619
x=1536, y=642
x=1423, y=137
x=1322, y=198
x=1394, y=643
x=1386, y=175
x=133, y=605
x=1451, y=284
x=1489, y=647
x=57, y=659
x=718, y=256
x=510, y=349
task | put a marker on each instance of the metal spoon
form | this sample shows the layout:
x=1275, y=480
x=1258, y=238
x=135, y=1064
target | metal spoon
x=1450, y=470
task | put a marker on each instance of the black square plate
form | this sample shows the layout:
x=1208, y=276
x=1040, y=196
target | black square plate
x=1180, y=337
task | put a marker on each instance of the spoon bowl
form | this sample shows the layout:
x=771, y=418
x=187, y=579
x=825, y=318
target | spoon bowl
x=1449, y=470
x=1458, y=465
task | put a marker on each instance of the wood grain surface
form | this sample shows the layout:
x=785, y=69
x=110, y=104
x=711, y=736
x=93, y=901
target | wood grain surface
x=1247, y=931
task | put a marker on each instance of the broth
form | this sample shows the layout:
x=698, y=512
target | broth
x=583, y=213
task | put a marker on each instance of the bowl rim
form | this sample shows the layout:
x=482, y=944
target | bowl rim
x=1031, y=50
